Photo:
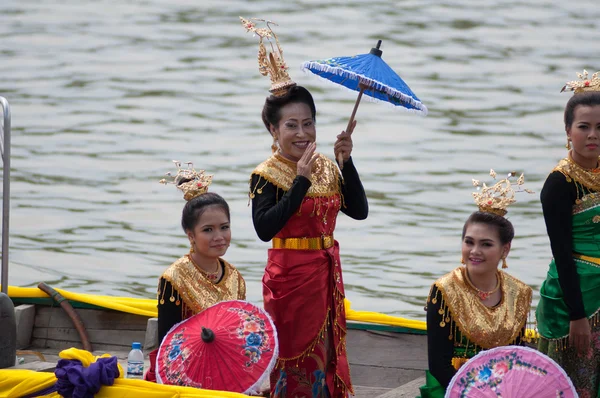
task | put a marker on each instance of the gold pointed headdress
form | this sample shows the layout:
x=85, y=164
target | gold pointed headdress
x=498, y=197
x=272, y=63
x=583, y=84
x=191, y=182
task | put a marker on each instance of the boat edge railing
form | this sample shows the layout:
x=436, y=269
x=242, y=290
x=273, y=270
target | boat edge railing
x=5, y=137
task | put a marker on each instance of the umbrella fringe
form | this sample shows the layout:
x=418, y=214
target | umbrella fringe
x=254, y=389
x=421, y=108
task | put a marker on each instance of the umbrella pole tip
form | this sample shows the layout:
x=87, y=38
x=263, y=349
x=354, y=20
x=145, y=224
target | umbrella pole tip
x=375, y=50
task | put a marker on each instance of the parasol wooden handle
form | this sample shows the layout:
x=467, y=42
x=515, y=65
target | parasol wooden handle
x=363, y=87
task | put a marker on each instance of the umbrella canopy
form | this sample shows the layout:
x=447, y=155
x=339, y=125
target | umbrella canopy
x=368, y=74
x=370, y=70
x=511, y=371
x=231, y=346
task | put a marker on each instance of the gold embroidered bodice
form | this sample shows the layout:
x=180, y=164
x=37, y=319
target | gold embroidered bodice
x=196, y=291
x=486, y=327
x=281, y=172
x=585, y=180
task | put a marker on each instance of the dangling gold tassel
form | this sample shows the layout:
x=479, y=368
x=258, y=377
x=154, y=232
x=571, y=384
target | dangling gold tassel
x=192, y=250
x=274, y=145
x=504, y=265
x=568, y=144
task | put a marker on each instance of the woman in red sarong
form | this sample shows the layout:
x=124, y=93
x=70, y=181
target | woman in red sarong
x=296, y=196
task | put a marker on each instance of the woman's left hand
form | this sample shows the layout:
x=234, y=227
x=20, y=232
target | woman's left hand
x=343, y=145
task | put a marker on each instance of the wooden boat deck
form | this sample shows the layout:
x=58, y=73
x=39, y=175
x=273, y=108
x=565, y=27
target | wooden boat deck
x=382, y=358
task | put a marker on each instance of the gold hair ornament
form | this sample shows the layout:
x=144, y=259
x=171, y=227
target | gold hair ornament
x=272, y=63
x=193, y=183
x=583, y=84
x=498, y=197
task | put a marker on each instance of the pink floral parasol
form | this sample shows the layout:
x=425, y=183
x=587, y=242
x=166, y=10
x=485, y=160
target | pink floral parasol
x=511, y=372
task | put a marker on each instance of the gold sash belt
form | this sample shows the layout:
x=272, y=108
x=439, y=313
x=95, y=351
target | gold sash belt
x=594, y=260
x=320, y=243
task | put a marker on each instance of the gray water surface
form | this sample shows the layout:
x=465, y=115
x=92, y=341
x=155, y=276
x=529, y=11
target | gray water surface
x=105, y=94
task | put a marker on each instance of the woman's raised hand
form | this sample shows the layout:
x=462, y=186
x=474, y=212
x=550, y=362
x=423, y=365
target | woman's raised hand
x=305, y=164
x=342, y=149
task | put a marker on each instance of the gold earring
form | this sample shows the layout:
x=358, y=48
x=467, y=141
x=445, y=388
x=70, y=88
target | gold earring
x=462, y=261
x=504, y=265
x=274, y=145
x=192, y=250
x=568, y=144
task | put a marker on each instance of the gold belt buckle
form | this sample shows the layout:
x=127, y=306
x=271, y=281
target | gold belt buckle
x=327, y=241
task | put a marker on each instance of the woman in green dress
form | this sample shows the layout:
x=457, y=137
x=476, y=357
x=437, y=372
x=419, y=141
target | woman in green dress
x=476, y=306
x=568, y=314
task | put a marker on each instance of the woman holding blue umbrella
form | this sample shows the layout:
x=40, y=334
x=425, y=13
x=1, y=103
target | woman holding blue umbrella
x=296, y=196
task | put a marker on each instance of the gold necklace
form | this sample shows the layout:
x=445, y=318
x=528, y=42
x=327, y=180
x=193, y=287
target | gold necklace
x=480, y=293
x=212, y=276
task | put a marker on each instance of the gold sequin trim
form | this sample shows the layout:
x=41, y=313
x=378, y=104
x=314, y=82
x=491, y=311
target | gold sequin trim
x=196, y=291
x=562, y=343
x=584, y=179
x=281, y=172
x=485, y=327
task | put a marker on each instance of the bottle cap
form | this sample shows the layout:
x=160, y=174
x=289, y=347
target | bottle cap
x=136, y=346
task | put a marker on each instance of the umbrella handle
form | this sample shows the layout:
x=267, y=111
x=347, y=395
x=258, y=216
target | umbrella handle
x=340, y=158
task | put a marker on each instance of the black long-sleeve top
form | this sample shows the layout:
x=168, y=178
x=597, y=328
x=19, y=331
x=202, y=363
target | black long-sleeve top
x=272, y=209
x=440, y=349
x=558, y=197
x=169, y=313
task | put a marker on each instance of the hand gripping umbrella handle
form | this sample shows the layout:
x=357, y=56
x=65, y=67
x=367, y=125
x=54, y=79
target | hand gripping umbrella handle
x=363, y=87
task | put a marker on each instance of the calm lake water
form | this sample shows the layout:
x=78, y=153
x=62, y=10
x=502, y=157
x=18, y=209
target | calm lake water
x=106, y=93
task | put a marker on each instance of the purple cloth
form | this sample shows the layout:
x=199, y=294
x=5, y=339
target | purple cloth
x=76, y=381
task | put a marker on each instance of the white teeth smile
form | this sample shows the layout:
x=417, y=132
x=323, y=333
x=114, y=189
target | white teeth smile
x=301, y=144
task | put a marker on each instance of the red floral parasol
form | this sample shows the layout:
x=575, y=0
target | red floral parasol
x=511, y=371
x=231, y=346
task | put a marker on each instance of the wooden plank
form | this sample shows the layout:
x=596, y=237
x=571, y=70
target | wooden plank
x=369, y=392
x=63, y=345
x=38, y=366
x=385, y=349
x=408, y=390
x=92, y=319
x=25, y=318
x=110, y=337
x=382, y=377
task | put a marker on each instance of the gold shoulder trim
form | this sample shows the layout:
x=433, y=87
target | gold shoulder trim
x=589, y=178
x=196, y=291
x=281, y=172
x=483, y=326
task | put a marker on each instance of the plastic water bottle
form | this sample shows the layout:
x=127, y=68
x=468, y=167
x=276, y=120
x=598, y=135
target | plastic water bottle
x=135, y=362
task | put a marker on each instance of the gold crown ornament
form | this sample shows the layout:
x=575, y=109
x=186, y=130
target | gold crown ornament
x=498, y=197
x=271, y=63
x=583, y=84
x=193, y=183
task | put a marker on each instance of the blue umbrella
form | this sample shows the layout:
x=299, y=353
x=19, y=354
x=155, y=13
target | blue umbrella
x=368, y=74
